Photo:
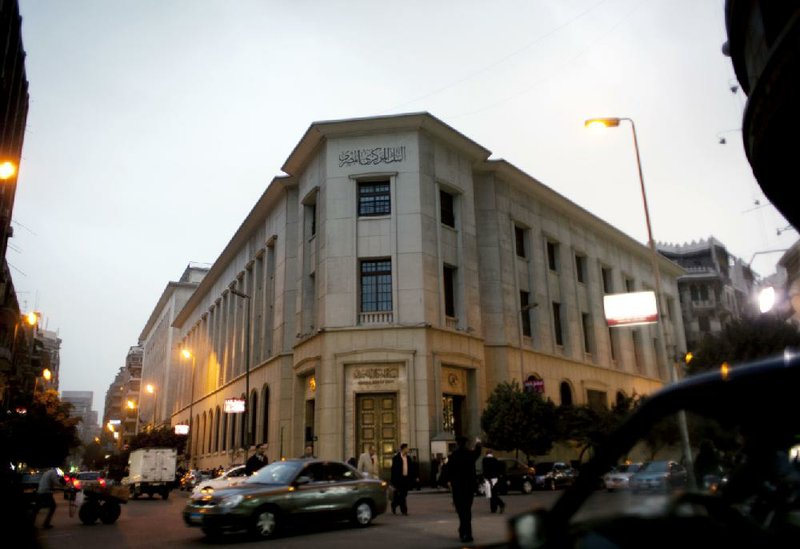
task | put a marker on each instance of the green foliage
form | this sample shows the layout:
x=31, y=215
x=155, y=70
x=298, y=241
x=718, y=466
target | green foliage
x=94, y=456
x=744, y=340
x=159, y=438
x=517, y=420
x=587, y=428
x=42, y=436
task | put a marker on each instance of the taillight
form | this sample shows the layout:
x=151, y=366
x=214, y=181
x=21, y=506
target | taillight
x=76, y=484
x=102, y=481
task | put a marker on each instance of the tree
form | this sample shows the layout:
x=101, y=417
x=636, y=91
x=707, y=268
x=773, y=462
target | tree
x=94, y=456
x=42, y=436
x=517, y=420
x=587, y=427
x=743, y=340
x=164, y=437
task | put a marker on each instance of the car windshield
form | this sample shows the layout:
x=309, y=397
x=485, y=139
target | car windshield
x=656, y=467
x=279, y=472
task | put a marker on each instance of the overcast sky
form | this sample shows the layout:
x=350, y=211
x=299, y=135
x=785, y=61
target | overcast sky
x=154, y=126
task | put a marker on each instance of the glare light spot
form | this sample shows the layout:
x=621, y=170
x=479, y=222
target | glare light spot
x=7, y=170
x=724, y=370
x=766, y=299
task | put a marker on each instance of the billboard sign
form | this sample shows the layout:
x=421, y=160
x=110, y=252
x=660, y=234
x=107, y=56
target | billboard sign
x=181, y=429
x=630, y=309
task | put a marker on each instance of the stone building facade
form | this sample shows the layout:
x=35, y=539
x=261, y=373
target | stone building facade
x=390, y=282
x=160, y=360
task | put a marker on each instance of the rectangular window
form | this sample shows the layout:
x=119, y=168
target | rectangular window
x=704, y=324
x=447, y=209
x=525, y=310
x=519, y=241
x=608, y=286
x=374, y=199
x=629, y=285
x=557, y=327
x=552, y=255
x=376, y=285
x=586, y=322
x=580, y=268
x=612, y=338
x=449, y=279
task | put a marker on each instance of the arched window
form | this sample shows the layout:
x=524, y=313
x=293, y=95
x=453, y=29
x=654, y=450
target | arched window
x=265, y=414
x=203, y=434
x=242, y=426
x=252, y=416
x=210, y=430
x=566, y=393
x=216, y=430
x=224, y=437
x=196, y=436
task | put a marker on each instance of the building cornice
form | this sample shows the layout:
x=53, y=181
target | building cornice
x=318, y=132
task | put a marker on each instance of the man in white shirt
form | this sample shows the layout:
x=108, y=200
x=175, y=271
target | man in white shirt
x=50, y=481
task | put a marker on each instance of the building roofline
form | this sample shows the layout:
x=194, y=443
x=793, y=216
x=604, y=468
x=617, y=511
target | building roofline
x=561, y=203
x=319, y=131
x=166, y=295
x=251, y=222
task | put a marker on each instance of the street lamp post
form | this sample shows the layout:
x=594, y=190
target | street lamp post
x=150, y=388
x=663, y=333
x=246, y=415
x=188, y=354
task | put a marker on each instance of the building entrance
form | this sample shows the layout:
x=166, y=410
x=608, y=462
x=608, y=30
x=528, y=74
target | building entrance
x=376, y=423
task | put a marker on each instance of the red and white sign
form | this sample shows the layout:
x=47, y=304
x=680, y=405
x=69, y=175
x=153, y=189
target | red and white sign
x=630, y=309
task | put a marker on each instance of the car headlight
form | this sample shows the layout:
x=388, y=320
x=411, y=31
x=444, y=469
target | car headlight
x=207, y=490
x=231, y=501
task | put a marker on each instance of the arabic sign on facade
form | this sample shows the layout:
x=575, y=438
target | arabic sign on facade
x=371, y=157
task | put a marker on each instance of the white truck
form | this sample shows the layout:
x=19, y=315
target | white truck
x=151, y=471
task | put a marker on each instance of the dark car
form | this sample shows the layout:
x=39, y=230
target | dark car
x=30, y=485
x=517, y=477
x=749, y=412
x=287, y=492
x=551, y=475
x=660, y=476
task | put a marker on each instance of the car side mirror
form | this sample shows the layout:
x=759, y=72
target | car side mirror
x=527, y=530
x=302, y=479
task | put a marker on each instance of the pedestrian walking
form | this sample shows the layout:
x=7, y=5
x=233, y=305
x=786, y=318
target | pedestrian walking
x=50, y=481
x=404, y=475
x=308, y=453
x=368, y=462
x=461, y=478
x=257, y=460
x=493, y=472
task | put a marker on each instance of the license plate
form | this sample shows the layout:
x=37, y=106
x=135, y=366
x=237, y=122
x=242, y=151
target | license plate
x=196, y=518
x=157, y=484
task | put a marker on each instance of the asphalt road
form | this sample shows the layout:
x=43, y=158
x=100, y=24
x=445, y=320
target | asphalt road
x=432, y=522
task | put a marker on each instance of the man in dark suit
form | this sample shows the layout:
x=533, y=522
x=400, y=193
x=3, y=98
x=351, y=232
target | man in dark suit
x=462, y=480
x=404, y=475
x=257, y=460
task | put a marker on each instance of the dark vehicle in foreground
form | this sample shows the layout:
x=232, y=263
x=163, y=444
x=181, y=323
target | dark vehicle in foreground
x=286, y=492
x=552, y=475
x=750, y=411
x=30, y=485
x=660, y=476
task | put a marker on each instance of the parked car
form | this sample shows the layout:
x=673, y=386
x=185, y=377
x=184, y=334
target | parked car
x=619, y=476
x=660, y=476
x=552, y=475
x=231, y=477
x=286, y=492
x=517, y=477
